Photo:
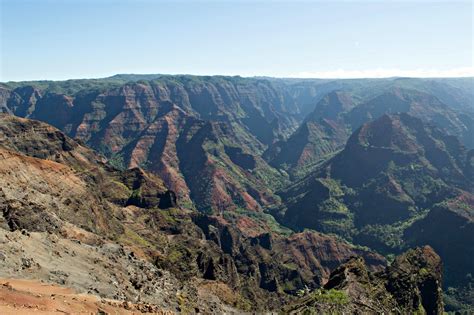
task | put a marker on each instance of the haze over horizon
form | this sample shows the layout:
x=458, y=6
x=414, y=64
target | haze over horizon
x=52, y=40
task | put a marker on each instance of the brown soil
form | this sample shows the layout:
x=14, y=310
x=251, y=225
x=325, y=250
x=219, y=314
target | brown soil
x=35, y=297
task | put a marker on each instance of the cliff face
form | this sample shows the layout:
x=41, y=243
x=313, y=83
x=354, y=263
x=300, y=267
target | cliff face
x=321, y=133
x=312, y=142
x=205, y=162
x=405, y=141
x=414, y=280
x=47, y=179
x=412, y=284
x=179, y=129
x=120, y=112
x=447, y=227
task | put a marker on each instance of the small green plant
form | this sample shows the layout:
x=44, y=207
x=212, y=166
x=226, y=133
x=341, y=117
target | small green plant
x=332, y=296
x=118, y=162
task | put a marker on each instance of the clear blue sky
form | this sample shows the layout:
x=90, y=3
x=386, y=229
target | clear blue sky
x=53, y=39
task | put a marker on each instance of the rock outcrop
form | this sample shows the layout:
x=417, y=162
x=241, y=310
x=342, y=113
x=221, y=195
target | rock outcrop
x=414, y=279
x=411, y=285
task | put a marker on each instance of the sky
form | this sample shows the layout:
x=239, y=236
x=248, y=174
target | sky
x=66, y=39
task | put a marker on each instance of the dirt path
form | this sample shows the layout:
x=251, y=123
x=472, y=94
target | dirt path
x=34, y=297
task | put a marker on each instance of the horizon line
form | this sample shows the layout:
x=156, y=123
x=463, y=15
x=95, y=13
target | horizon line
x=467, y=72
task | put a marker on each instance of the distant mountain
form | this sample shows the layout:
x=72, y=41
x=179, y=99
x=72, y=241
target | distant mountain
x=328, y=127
x=418, y=104
x=262, y=109
x=228, y=142
x=395, y=162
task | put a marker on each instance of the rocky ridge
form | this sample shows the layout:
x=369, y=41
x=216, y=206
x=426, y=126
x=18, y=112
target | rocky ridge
x=412, y=284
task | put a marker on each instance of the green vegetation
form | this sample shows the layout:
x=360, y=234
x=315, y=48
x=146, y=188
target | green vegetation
x=388, y=239
x=424, y=272
x=132, y=238
x=331, y=296
x=118, y=162
x=266, y=221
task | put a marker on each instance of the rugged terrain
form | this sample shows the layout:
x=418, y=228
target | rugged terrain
x=192, y=172
x=227, y=123
x=410, y=285
x=71, y=219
